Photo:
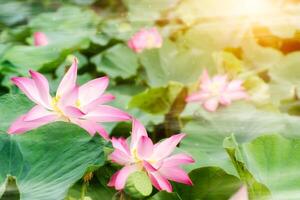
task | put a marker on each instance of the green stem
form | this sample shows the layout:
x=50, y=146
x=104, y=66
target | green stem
x=83, y=191
x=172, y=123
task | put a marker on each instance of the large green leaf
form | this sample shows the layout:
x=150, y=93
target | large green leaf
x=94, y=191
x=285, y=77
x=9, y=16
x=165, y=196
x=45, y=161
x=206, y=132
x=44, y=57
x=274, y=161
x=256, y=190
x=172, y=62
x=117, y=61
x=147, y=11
x=68, y=30
x=206, y=147
x=209, y=183
x=157, y=100
x=258, y=56
x=124, y=95
x=65, y=18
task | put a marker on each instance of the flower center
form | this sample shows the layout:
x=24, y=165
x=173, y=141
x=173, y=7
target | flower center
x=215, y=88
x=150, y=41
x=56, y=108
x=138, y=160
x=135, y=156
x=78, y=104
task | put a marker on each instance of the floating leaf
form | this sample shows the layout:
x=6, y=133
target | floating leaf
x=117, y=61
x=157, y=100
x=45, y=161
x=165, y=196
x=210, y=183
x=170, y=63
x=273, y=160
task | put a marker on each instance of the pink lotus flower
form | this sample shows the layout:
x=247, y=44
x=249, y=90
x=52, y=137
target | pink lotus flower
x=217, y=90
x=241, y=194
x=145, y=39
x=154, y=159
x=79, y=105
x=40, y=39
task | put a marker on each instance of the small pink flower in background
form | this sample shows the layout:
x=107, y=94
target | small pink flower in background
x=40, y=39
x=218, y=90
x=241, y=194
x=145, y=39
x=81, y=105
x=156, y=159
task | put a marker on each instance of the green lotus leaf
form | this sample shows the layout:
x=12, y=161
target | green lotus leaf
x=47, y=161
x=157, y=100
x=165, y=196
x=117, y=61
x=209, y=183
x=206, y=132
x=273, y=160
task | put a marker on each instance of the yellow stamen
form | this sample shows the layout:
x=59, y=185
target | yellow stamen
x=78, y=103
x=87, y=177
x=139, y=161
x=135, y=156
x=54, y=103
x=150, y=41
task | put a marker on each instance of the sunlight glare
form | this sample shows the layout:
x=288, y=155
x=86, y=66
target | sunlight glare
x=253, y=7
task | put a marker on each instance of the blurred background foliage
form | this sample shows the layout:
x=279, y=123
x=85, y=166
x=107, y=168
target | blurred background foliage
x=258, y=41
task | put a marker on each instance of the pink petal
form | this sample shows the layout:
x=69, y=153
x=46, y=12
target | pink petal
x=211, y=105
x=220, y=80
x=238, y=95
x=40, y=39
x=199, y=96
x=149, y=167
x=73, y=112
x=91, y=127
x=160, y=182
x=177, y=159
x=69, y=99
x=112, y=180
x=138, y=130
x=145, y=39
x=132, y=45
x=102, y=131
x=145, y=147
x=104, y=113
x=69, y=80
x=119, y=157
x=21, y=126
x=175, y=174
x=242, y=194
x=28, y=87
x=235, y=85
x=122, y=176
x=92, y=90
x=225, y=100
x=120, y=144
x=37, y=112
x=205, y=79
x=101, y=100
x=166, y=147
x=42, y=86
x=157, y=37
